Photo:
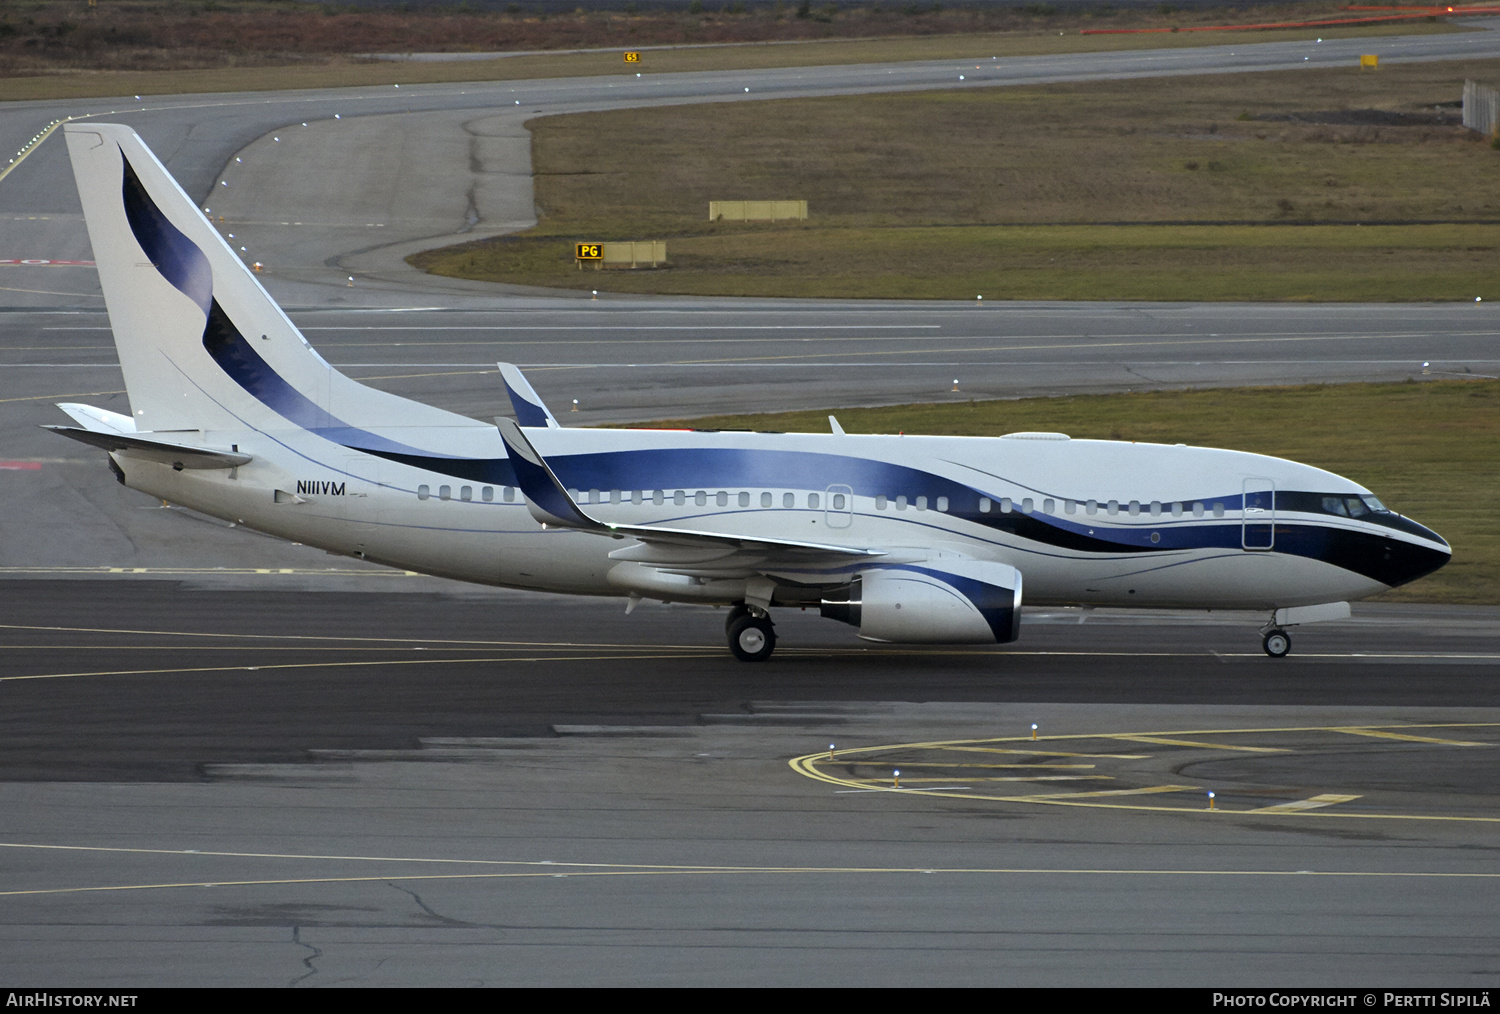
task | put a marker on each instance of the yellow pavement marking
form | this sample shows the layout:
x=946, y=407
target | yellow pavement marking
x=757, y=871
x=359, y=640
x=808, y=766
x=1029, y=753
x=515, y=869
x=51, y=292
x=990, y=778
x=1163, y=741
x=868, y=353
x=1380, y=734
x=55, y=397
x=1147, y=791
x=704, y=652
x=940, y=764
x=1311, y=803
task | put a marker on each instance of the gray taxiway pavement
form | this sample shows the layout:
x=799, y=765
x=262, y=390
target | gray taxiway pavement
x=245, y=762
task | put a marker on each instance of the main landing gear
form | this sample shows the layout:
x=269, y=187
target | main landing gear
x=1277, y=642
x=752, y=635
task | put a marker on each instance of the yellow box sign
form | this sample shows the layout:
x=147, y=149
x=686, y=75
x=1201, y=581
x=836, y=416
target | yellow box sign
x=1369, y=60
x=632, y=58
x=645, y=253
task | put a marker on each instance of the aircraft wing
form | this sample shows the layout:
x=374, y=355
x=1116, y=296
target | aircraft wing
x=670, y=550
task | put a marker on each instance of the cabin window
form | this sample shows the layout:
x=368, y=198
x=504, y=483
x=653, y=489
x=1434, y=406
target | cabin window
x=700, y=498
x=466, y=493
x=984, y=505
x=1005, y=505
x=424, y=492
x=679, y=497
x=1113, y=507
x=788, y=500
x=1092, y=506
x=1026, y=507
x=942, y=503
x=658, y=497
x=838, y=501
x=637, y=495
x=614, y=496
x=510, y=494
x=744, y=499
x=812, y=500
x=766, y=499
x=1071, y=506
x=1218, y=510
x=1156, y=508
x=1197, y=508
x=1049, y=506
x=487, y=494
x=921, y=503
x=1177, y=509
x=574, y=495
x=445, y=492
x=1135, y=508
x=880, y=502
x=901, y=502
x=722, y=499
x=594, y=496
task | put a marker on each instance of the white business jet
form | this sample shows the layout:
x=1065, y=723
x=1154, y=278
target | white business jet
x=910, y=539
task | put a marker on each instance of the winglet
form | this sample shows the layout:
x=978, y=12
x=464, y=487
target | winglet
x=530, y=410
x=545, y=496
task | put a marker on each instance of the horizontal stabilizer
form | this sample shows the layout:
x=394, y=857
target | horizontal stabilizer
x=163, y=451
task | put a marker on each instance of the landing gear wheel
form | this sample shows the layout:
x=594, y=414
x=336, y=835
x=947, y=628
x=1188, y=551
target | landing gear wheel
x=736, y=611
x=751, y=638
x=1277, y=643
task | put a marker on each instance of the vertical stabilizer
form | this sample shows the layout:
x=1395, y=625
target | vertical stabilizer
x=200, y=341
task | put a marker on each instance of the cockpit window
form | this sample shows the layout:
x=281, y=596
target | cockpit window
x=1339, y=504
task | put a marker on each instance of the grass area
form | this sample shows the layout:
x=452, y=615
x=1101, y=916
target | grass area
x=1428, y=450
x=1140, y=262
x=1218, y=187
x=273, y=46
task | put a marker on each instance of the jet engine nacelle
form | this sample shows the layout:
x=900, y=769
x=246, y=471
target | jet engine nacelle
x=943, y=602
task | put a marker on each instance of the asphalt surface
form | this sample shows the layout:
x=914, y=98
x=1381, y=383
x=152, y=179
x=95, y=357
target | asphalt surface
x=237, y=761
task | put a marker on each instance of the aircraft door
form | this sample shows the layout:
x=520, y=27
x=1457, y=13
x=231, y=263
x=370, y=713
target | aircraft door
x=839, y=509
x=1258, y=518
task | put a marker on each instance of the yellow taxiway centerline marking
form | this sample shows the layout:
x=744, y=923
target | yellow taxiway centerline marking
x=1311, y=803
x=1147, y=791
x=705, y=653
x=1023, y=753
x=1375, y=734
x=564, y=873
x=491, y=645
x=940, y=764
x=1164, y=741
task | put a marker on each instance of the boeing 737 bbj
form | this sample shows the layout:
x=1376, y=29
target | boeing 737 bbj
x=909, y=539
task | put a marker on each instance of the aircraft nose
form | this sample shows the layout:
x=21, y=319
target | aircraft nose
x=1400, y=562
